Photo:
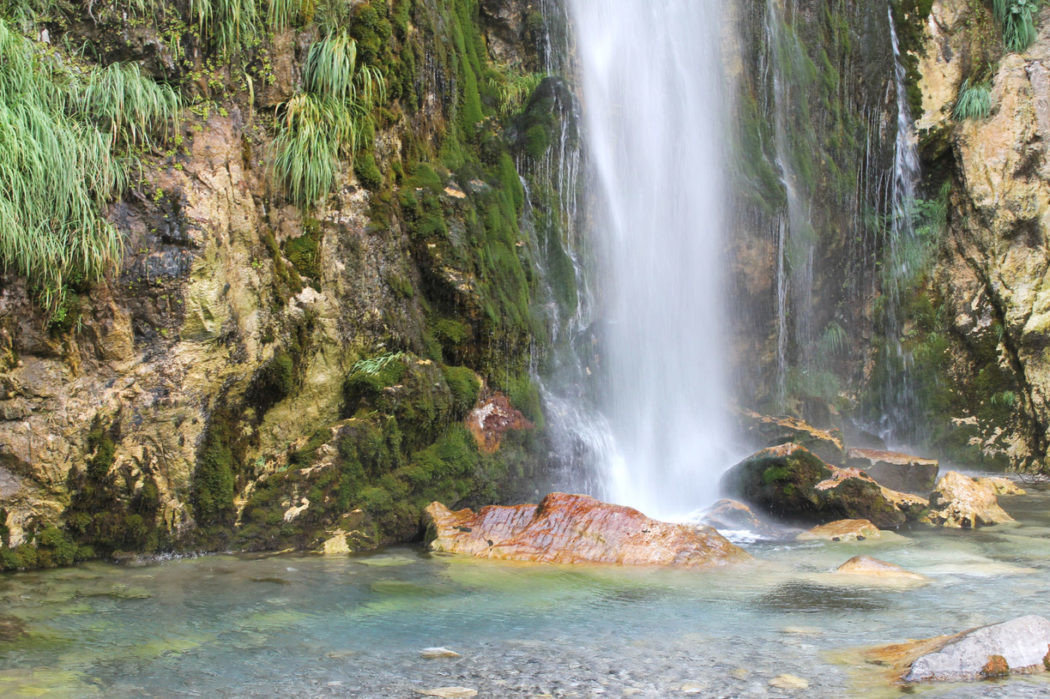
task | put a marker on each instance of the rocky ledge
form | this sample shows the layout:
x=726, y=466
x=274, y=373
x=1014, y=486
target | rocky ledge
x=575, y=529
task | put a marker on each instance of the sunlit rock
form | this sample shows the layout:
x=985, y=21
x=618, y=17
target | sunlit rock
x=438, y=652
x=874, y=568
x=842, y=530
x=902, y=472
x=1002, y=486
x=1020, y=644
x=575, y=529
x=790, y=482
x=769, y=431
x=962, y=502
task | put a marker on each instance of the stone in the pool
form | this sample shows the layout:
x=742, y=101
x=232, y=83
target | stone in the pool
x=791, y=483
x=789, y=682
x=449, y=692
x=438, y=652
x=1022, y=644
x=873, y=567
x=897, y=471
x=692, y=688
x=842, y=530
x=961, y=502
x=575, y=529
x=733, y=515
x=769, y=431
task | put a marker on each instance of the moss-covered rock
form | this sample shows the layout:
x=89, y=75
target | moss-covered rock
x=791, y=483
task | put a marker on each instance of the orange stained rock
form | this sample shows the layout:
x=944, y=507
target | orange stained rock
x=489, y=421
x=576, y=529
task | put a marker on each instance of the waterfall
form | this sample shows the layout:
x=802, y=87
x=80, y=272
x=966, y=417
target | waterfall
x=900, y=248
x=655, y=110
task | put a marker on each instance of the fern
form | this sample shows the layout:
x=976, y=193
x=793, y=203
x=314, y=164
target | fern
x=974, y=102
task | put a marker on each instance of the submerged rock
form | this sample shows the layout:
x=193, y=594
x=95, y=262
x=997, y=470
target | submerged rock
x=962, y=502
x=575, y=529
x=842, y=530
x=769, y=431
x=789, y=682
x=732, y=515
x=792, y=483
x=449, y=692
x=438, y=652
x=1016, y=646
x=874, y=568
x=902, y=472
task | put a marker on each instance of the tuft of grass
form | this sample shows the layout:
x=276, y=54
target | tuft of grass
x=323, y=120
x=61, y=126
x=228, y=24
x=1017, y=22
x=974, y=102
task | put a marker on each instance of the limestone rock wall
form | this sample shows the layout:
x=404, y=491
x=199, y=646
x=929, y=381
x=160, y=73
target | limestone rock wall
x=219, y=363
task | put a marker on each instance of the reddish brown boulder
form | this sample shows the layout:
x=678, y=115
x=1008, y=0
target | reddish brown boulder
x=575, y=529
x=492, y=419
x=962, y=502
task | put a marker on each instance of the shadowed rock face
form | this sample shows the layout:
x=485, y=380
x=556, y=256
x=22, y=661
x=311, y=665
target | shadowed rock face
x=903, y=472
x=575, y=529
x=769, y=431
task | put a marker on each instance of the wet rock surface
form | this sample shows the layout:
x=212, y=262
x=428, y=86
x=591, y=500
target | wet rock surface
x=842, y=530
x=897, y=471
x=575, y=529
x=1021, y=645
x=791, y=483
x=874, y=568
x=771, y=431
x=734, y=516
x=962, y=502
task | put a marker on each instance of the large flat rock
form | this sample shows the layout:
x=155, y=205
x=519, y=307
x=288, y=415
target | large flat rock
x=1023, y=644
x=770, y=431
x=575, y=529
x=895, y=470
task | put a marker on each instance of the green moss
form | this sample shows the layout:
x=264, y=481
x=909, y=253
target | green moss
x=304, y=252
x=775, y=474
x=367, y=172
x=465, y=387
x=214, y=478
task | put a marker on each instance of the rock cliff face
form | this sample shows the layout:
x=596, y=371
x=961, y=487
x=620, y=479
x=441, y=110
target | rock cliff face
x=260, y=374
x=987, y=296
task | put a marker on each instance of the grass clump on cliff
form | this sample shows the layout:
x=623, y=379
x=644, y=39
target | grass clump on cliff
x=323, y=120
x=64, y=130
x=975, y=102
x=1017, y=22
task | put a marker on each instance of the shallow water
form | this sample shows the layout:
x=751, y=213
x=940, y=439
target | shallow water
x=228, y=625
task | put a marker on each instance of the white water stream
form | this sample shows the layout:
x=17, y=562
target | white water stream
x=656, y=105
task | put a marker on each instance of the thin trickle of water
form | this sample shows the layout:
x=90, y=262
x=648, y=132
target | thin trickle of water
x=655, y=97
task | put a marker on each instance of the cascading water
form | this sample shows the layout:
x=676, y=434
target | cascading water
x=900, y=246
x=655, y=96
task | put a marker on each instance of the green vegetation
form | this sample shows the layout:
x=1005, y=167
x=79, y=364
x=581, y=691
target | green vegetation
x=64, y=131
x=1015, y=17
x=323, y=121
x=975, y=102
